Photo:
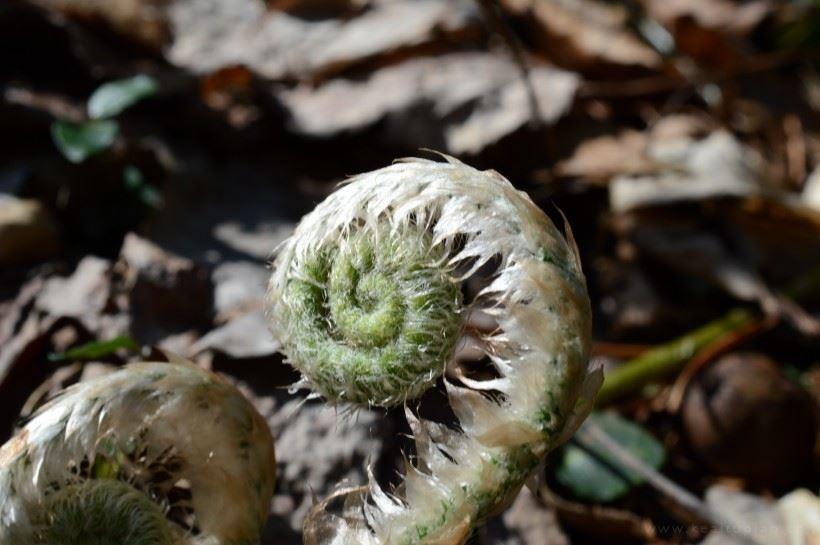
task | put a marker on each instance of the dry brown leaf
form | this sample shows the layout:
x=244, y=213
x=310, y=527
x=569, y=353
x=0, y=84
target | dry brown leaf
x=532, y=523
x=315, y=450
x=598, y=521
x=26, y=334
x=811, y=191
x=600, y=159
x=708, y=30
x=245, y=337
x=87, y=297
x=585, y=34
x=27, y=231
x=434, y=101
x=793, y=520
x=728, y=16
x=800, y=510
x=746, y=513
x=718, y=165
x=319, y=8
x=141, y=20
x=780, y=229
x=83, y=295
x=205, y=36
x=681, y=243
x=784, y=235
x=212, y=34
x=166, y=293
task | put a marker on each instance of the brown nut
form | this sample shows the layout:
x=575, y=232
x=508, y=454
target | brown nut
x=745, y=419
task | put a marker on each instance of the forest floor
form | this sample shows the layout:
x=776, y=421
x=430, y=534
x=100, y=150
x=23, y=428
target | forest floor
x=154, y=154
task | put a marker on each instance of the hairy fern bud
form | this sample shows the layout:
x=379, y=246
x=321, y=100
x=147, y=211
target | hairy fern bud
x=368, y=301
x=153, y=454
x=371, y=320
x=101, y=512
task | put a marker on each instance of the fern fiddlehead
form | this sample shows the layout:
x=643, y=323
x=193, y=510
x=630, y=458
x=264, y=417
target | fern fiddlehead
x=153, y=454
x=101, y=512
x=367, y=300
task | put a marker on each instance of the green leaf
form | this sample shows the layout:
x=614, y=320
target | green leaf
x=148, y=194
x=114, y=97
x=78, y=141
x=592, y=473
x=96, y=349
x=132, y=177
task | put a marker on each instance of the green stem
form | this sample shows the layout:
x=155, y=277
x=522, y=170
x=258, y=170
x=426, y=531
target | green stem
x=669, y=358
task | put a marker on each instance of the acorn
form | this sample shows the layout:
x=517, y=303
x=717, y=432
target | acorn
x=745, y=419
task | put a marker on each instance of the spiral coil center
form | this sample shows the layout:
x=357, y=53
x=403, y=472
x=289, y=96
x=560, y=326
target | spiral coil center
x=375, y=318
x=365, y=303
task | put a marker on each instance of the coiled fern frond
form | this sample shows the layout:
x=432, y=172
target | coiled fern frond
x=371, y=299
x=100, y=512
x=153, y=454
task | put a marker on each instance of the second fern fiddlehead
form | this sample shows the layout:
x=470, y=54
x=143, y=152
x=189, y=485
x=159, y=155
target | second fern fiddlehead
x=367, y=300
x=153, y=454
x=100, y=512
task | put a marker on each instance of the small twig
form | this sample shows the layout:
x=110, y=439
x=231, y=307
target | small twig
x=796, y=149
x=591, y=435
x=495, y=18
x=619, y=350
x=56, y=106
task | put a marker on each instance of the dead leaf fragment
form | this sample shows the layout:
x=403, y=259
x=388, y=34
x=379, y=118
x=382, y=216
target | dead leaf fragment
x=475, y=112
x=598, y=521
x=532, y=522
x=317, y=451
x=239, y=288
x=27, y=231
x=747, y=514
x=729, y=16
x=709, y=32
x=245, y=337
x=212, y=34
x=26, y=335
x=678, y=241
x=142, y=20
x=84, y=293
x=811, y=191
x=507, y=109
x=319, y=8
x=629, y=153
x=782, y=233
x=585, y=34
x=800, y=510
x=166, y=293
x=601, y=158
x=718, y=165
